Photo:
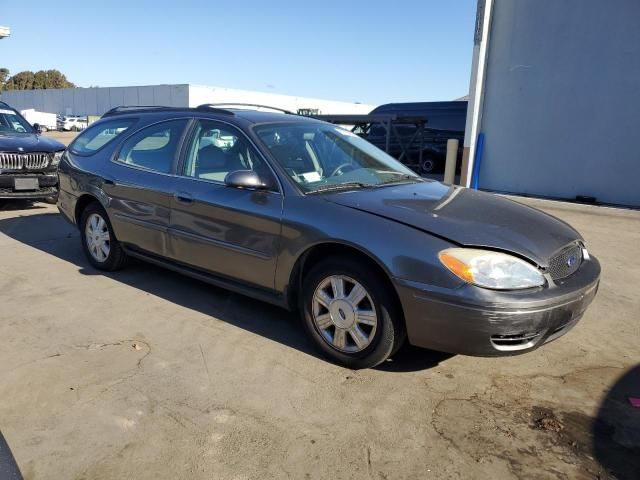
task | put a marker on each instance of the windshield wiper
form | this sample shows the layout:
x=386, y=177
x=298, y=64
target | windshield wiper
x=403, y=178
x=343, y=186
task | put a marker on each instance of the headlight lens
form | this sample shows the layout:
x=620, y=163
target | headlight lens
x=489, y=269
x=56, y=158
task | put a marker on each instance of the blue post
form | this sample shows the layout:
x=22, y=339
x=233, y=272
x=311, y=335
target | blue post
x=475, y=175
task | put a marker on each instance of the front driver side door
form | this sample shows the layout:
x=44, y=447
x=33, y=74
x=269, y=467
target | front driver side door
x=228, y=231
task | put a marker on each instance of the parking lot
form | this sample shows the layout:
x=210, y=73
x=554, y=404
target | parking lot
x=148, y=374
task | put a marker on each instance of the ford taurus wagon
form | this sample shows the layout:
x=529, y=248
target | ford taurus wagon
x=310, y=217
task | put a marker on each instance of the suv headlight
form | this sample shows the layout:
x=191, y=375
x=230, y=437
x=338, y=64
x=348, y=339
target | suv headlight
x=55, y=160
x=489, y=269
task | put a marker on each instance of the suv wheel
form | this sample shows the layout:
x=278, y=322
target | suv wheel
x=429, y=165
x=98, y=241
x=350, y=315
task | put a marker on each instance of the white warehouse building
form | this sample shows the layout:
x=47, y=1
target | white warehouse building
x=96, y=101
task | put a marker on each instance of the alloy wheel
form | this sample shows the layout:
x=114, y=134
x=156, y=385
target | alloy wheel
x=344, y=314
x=97, y=236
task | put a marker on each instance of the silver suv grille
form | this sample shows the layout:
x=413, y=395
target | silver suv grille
x=566, y=262
x=21, y=161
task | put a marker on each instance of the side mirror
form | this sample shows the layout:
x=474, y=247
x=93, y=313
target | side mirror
x=38, y=127
x=244, y=179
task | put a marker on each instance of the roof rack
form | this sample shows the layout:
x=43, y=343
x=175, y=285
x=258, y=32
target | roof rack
x=132, y=108
x=212, y=107
x=215, y=105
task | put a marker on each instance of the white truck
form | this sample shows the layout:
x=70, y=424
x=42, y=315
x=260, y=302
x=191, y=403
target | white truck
x=47, y=121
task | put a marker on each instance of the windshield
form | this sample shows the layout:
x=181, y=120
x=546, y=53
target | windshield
x=322, y=157
x=11, y=122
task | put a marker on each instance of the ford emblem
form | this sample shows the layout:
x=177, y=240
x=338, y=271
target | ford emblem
x=571, y=261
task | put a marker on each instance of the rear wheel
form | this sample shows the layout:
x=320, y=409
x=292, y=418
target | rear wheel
x=350, y=314
x=98, y=241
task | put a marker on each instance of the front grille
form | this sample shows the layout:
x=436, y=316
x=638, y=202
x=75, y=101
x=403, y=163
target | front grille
x=566, y=262
x=22, y=161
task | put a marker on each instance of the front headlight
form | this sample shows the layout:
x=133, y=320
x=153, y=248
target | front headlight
x=55, y=160
x=489, y=269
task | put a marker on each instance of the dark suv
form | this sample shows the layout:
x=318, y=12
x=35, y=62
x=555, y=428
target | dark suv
x=28, y=161
x=445, y=120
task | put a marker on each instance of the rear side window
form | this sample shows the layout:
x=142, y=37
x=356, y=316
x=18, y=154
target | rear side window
x=154, y=147
x=96, y=137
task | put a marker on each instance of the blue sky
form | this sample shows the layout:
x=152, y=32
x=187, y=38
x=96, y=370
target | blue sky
x=371, y=52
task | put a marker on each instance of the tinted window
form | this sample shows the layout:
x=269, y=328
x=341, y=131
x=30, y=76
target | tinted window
x=217, y=149
x=96, y=137
x=153, y=147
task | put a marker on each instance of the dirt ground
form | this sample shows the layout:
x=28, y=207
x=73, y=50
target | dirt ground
x=146, y=374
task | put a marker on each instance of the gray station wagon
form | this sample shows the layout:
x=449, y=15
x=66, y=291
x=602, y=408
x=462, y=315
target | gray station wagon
x=310, y=217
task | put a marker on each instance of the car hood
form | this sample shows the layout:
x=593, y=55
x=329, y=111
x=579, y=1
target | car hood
x=466, y=217
x=28, y=142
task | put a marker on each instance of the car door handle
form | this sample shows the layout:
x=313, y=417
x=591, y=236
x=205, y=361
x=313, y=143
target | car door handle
x=183, y=197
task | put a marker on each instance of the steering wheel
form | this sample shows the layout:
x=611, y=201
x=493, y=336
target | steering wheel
x=338, y=169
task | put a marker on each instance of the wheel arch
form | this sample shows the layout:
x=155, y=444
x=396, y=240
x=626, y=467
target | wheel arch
x=82, y=202
x=315, y=253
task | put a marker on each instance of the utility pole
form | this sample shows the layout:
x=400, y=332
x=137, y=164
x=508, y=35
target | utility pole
x=476, y=89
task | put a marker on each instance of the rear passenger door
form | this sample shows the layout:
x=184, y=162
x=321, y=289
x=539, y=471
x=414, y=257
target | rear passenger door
x=141, y=185
x=227, y=231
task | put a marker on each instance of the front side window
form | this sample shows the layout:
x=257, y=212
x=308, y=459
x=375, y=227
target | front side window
x=217, y=149
x=100, y=134
x=154, y=147
x=11, y=122
x=318, y=157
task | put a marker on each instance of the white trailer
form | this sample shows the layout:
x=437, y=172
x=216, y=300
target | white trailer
x=47, y=121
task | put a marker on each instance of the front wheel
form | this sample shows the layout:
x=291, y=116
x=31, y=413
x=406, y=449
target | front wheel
x=100, y=245
x=350, y=314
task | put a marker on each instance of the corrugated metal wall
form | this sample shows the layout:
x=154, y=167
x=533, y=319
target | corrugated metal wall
x=96, y=101
x=562, y=100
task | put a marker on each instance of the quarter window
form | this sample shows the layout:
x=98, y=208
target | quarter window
x=154, y=147
x=217, y=149
x=99, y=135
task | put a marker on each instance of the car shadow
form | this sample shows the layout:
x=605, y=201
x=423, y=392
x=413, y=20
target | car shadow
x=616, y=428
x=8, y=467
x=50, y=233
x=13, y=205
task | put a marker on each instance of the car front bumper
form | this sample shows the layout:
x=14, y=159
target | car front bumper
x=476, y=321
x=47, y=186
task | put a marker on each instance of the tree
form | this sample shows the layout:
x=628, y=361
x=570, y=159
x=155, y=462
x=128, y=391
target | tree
x=4, y=74
x=20, y=81
x=41, y=79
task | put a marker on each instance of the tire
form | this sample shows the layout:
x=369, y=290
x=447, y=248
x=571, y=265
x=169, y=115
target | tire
x=115, y=257
x=321, y=322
